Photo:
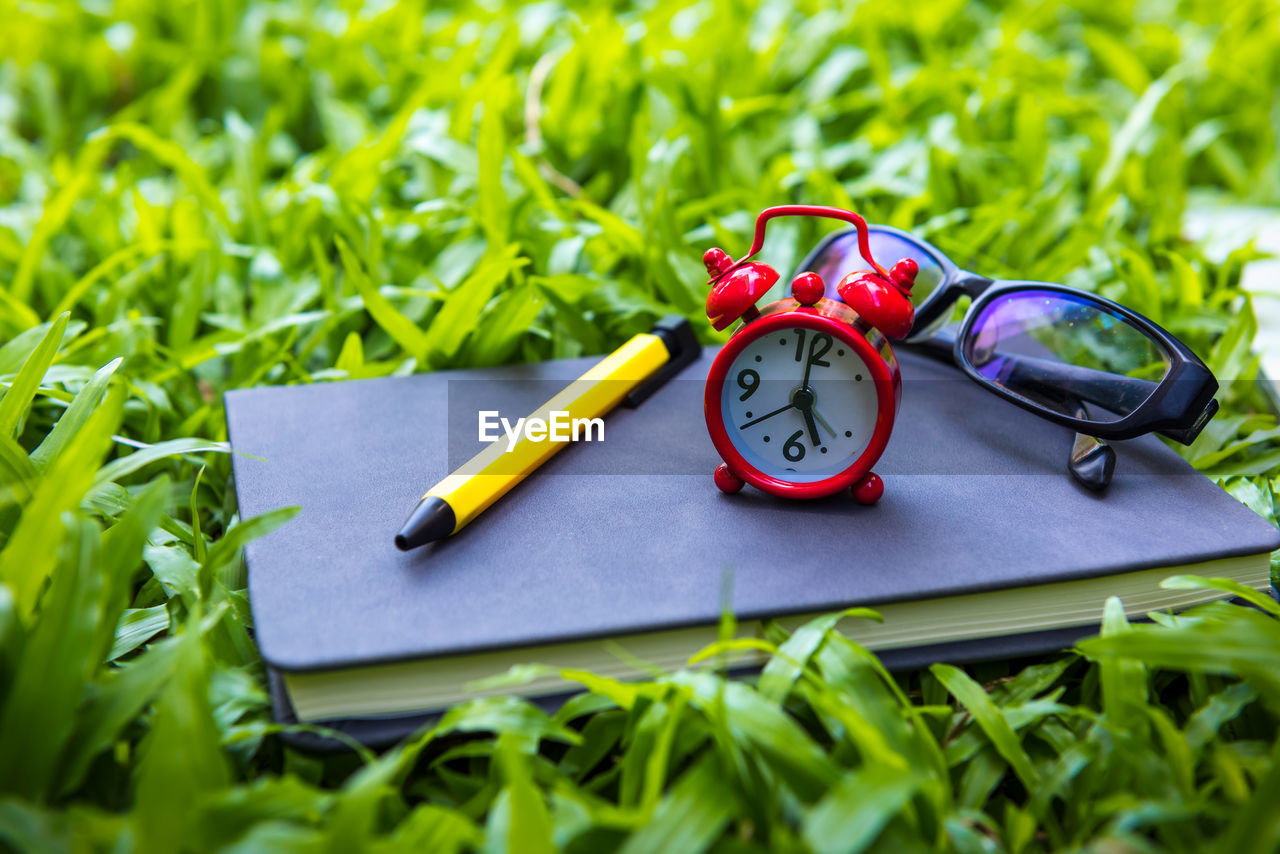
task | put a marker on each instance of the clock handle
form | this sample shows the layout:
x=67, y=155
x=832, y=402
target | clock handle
x=864, y=242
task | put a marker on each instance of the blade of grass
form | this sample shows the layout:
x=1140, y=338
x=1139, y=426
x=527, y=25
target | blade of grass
x=22, y=390
x=991, y=721
x=28, y=558
x=401, y=329
x=75, y=416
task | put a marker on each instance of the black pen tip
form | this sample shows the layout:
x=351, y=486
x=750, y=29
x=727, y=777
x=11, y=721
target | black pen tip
x=433, y=519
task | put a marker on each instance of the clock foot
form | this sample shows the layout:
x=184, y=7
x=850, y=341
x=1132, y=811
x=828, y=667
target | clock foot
x=727, y=481
x=869, y=489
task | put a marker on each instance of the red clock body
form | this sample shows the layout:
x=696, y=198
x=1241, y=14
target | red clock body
x=845, y=384
x=802, y=400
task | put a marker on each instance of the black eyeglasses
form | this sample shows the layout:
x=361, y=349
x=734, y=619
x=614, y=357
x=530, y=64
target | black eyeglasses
x=1065, y=354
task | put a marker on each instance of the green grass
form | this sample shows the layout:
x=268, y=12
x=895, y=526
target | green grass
x=201, y=196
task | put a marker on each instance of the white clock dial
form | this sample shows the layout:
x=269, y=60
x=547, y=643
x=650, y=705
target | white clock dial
x=799, y=404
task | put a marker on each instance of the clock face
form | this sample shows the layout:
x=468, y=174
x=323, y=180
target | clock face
x=799, y=404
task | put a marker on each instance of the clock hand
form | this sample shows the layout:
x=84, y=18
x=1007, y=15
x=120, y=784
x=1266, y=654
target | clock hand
x=822, y=421
x=814, y=438
x=766, y=415
x=815, y=358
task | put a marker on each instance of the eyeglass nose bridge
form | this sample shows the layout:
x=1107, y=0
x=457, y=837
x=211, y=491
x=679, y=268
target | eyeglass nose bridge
x=972, y=284
x=938, y=305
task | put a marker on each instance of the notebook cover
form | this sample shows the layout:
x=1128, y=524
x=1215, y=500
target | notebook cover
x=630, y=534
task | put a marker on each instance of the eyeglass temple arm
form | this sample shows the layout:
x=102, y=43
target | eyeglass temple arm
x=1106, y=389
x=1099, y=387
x=1092, y=460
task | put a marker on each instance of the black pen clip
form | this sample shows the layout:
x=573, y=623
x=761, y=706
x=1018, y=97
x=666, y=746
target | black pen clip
x=682, y=343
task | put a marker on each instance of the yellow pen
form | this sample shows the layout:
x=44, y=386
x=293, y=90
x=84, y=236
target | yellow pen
x=631, y=373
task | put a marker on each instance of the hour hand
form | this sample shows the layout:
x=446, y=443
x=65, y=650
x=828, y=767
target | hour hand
x=812, y=425
x=778, y=411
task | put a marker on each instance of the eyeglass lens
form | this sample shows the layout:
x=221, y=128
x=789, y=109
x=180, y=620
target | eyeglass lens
x=841, y=257
x=1057, y=349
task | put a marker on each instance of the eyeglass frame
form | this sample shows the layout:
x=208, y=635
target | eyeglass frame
x=1178, y=407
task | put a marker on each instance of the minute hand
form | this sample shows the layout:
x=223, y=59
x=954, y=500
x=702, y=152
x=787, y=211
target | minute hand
x=813, y=359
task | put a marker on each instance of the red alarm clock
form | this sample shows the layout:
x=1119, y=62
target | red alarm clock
x=801, y=400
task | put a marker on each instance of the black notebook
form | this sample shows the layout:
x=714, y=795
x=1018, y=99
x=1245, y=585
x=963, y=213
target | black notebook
x=982, y=546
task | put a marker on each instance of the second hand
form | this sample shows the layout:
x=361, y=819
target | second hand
x=767, y=415
x=822, y=421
